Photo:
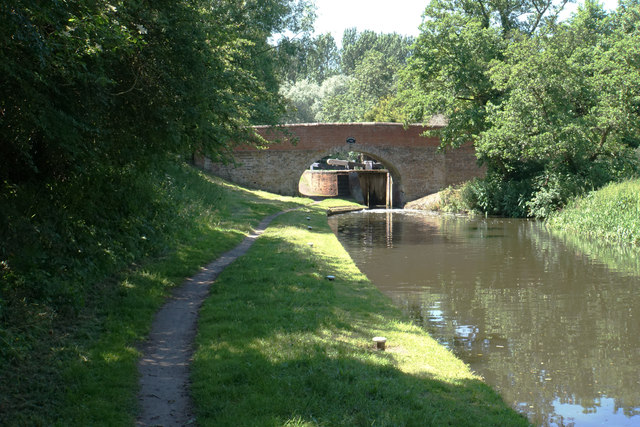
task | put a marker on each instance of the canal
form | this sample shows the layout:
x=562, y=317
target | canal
x=551, y=328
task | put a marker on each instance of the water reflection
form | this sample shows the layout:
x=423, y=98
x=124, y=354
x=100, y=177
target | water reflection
x=546, y=325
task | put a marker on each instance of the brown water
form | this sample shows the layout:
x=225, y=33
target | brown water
x=555, y=331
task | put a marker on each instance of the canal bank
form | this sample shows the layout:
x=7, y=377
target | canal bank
x=286, y=338
x=287, y=343
x=551, y=327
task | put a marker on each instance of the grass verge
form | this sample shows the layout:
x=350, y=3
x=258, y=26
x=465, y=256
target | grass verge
x=81, y=370
x=605, y=225
x=281, y=345
x=610, y=214
x=287, y=354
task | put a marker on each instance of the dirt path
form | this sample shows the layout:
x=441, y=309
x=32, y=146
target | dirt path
x=164, y=397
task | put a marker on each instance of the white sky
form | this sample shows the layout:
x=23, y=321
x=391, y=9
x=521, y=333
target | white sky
x=381, y=16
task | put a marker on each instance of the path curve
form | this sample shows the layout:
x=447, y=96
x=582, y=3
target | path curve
x=164, y=398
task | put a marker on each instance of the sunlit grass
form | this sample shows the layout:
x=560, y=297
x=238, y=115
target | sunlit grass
x=610, y=220
x=280, y=344
x=611, y=214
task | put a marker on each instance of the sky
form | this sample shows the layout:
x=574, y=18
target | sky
x=381, y=16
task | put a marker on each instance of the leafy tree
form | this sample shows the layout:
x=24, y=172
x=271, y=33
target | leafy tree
x=388, y=109
x=313, y=59
x=551, y=107
x=334, y=93
x=304, y=101
x=571, y=109
x=368, y=64
x=355, y=46
x=93, y=95
x=323, y=60
x=373, y=78
x=448, y=70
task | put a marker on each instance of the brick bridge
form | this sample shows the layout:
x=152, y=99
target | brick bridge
x=415, y=164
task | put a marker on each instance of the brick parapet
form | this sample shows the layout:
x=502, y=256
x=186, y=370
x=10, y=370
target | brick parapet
x=417, y=167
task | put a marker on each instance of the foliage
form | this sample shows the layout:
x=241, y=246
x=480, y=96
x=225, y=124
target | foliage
x=373, y=80
x=307, y=58
x=356, y=45
x=96, y=98
x=307, y=99
x=93, y=97
x=494, y=196
x=610, y=214
x=388, y=109
x=356, y=83
x=304, y=98
x=551, y=107
x=447, y=73
x=452, y=200
x=94, y=83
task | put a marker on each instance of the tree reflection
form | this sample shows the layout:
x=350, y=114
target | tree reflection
x=544, y=323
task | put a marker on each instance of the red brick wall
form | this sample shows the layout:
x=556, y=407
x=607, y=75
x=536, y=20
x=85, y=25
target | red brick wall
x=319, y=183
x=417, y=167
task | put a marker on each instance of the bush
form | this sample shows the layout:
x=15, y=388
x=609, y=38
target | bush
x=55, y=240
x=552, y=191
x=493, y=196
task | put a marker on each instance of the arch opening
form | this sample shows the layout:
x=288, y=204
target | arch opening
x=353, y=174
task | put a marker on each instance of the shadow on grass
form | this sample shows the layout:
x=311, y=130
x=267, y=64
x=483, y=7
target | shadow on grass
x=325, y=389
x=279, y=344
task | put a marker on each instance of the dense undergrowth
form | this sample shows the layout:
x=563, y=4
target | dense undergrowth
x=85, y=266
x=534, y=198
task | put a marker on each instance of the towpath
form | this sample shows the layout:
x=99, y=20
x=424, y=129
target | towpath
x=164, y=398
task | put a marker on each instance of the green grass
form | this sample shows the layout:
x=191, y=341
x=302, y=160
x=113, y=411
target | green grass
x=279, y=344
x=610, y=215
x=81, y=370
x=605, y=225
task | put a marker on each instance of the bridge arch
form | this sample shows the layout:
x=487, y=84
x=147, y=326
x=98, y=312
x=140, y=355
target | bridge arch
x=327, y=182
x=418, y=168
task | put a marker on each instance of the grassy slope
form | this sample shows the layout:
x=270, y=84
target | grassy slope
x=605, y=225
x=611, y=214
x=279, y=344
x=84, y=372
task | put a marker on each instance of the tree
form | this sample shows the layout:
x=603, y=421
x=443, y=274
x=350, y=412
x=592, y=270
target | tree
x=355, y=45
x=323, y=59
x=571, y=110
x=304, y=101
x=94, y=94
x=372, y=77
x=92, y=82
x=307, y=58
x=546, y=103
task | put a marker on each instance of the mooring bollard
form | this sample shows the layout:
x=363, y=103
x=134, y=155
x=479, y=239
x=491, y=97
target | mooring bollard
x=380, y=342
